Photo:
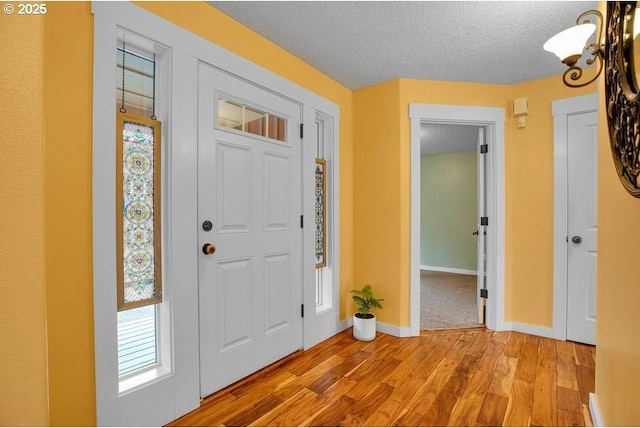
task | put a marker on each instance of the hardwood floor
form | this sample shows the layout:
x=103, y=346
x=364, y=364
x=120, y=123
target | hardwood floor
x=471, y=377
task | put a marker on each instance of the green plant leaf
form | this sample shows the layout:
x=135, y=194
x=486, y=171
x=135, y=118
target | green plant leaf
x=365, y=300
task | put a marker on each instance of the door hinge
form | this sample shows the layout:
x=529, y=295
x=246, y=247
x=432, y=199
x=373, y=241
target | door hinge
x=302, y=130
x=484, y=221
x=302, y=310
x=301, y=221
x=484, y=148
x=484, y=293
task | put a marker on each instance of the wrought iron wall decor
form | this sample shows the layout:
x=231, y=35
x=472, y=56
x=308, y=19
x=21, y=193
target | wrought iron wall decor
x=622, y=93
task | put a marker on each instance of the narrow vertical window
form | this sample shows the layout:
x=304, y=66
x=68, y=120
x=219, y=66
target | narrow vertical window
x=322, y=214
x=138, y=212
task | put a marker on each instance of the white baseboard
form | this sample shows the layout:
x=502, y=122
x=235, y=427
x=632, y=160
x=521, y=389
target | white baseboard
x=596, y=416
x=536, y=330
x=449, y=270
x=393, y=330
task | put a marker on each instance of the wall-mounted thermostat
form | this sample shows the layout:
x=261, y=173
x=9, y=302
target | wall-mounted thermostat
x=521, y=106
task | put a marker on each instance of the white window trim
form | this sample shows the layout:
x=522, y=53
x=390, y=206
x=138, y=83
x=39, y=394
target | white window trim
x=321, y=323
x=137, y=406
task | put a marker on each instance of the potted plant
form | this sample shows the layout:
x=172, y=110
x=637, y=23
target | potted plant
x=364, y=322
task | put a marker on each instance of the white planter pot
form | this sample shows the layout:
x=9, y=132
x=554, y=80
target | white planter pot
x=364, y=328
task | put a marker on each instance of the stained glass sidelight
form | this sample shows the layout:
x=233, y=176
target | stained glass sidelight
x=138, y=212
x=321, y=213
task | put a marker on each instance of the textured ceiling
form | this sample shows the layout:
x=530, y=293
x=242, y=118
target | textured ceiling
x=363, y=43
x=438, y=138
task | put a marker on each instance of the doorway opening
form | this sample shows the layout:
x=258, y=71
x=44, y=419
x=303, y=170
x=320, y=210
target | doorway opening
x=452, y=238
x=491, y=120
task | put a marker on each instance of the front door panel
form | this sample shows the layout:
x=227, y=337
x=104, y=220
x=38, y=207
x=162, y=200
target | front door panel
x=249, y=188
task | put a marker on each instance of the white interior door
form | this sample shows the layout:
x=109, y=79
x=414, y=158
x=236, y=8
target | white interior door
x=482, y=229
x=249, y=189
x=582, y=226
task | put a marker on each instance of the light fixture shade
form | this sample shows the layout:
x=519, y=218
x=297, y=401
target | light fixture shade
x=570, y=42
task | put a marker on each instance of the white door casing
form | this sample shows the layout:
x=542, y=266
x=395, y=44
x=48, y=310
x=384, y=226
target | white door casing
x=167, y=396
x=481, y=229
x=582, y=225
x=249, y=188
x=492, y=119
x=565, y=251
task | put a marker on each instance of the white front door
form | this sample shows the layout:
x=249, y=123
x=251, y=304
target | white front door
x=582, y=226
x=249, y=206
x=482, y=229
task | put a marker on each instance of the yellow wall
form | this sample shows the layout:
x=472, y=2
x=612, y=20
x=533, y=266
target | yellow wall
x=382, y=189
x=378, y=231
x=529, y=203
x=68, y=90
x=618, y=347
x=23, y=353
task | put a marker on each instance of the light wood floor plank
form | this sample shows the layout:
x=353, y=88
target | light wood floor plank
x=587, y=381
x=545, y=403
x=585, y=355
x=503, y=376
x=567, y=376
x=493, y=410
x=465, y=412
x=568, y=419
x=458, y=378
x=569, y=399
x=520, y=401
x=433, y=385
x=513, y=345
x=527, y=363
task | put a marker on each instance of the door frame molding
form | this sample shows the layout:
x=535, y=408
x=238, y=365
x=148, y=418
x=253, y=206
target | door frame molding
x=493, y=119
x=181, y=224
x=561, y=110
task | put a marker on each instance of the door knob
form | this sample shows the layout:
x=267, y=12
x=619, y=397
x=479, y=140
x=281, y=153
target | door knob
x=208, y=249
x=576, y=239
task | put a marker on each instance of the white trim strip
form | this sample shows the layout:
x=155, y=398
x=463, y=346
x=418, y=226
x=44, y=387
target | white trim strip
x=449, y=270
x=535, y=330
x=594, y=409
x=393, y=330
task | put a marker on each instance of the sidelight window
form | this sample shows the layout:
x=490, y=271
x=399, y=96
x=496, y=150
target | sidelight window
x=322, y=221
x=138, y=206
